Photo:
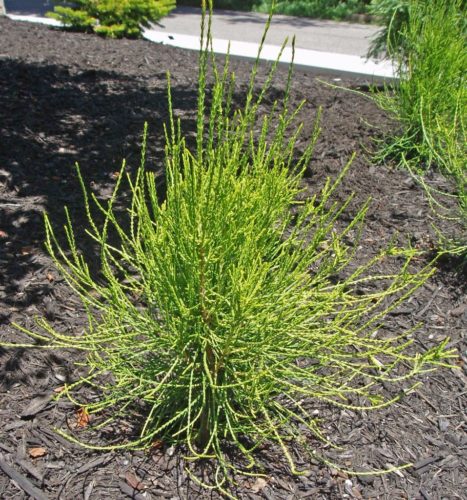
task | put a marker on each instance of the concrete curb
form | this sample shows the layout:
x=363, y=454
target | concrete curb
x=323, y=62
x=34, y=19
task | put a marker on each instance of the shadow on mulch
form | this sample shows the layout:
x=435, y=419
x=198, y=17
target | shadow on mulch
x=93, y=118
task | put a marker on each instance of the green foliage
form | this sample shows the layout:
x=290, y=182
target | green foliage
x=224, y=310
x=329, y=9
x=112, y=18
x=242, y=5
x=430, y=101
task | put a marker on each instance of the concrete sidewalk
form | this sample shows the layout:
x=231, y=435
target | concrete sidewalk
x=325, y=46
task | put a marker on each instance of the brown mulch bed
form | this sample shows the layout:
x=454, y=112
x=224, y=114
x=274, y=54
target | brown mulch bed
x=67, y=97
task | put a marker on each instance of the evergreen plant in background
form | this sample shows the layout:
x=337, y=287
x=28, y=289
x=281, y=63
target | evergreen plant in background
x=241, y=5
x=393, y=15
x=225, y=312
x=429, y=50
x=327, y=9
x=111, y=18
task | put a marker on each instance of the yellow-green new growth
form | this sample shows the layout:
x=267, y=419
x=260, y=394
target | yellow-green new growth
x=111, y=18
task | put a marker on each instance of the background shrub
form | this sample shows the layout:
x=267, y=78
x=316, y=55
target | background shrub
x=247, y=5
x=112, y=18
x=329, y=9
x=393, y=15
x=430, y=101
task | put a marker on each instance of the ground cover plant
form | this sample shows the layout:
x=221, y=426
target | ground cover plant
x=430, y=100
x=111, y=18
x=327, y=9
x=241, y=5
x=220, y=309
x=334, y=9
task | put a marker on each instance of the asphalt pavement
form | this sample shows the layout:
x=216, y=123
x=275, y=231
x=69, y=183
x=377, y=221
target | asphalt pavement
x=28, y=7
x=325, y=46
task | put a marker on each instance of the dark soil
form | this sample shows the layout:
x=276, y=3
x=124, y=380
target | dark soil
x=66, y=97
